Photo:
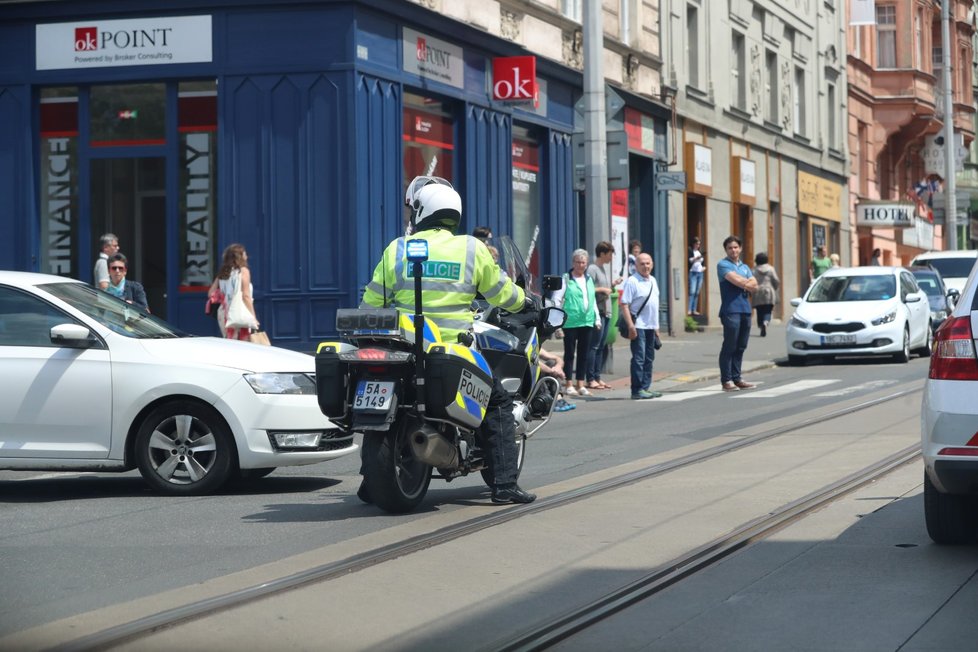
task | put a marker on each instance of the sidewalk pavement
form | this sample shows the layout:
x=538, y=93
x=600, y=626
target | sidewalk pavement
x=690, y=357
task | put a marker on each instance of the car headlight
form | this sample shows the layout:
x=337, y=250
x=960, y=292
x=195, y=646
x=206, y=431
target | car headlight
x=798, y=322
x=281, y=383
x=885, y=319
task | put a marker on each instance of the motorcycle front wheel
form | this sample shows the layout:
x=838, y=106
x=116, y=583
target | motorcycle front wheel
x=520, y=456
x=396, y=480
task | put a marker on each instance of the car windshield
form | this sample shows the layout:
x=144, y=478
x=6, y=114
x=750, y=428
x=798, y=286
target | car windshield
x=952, y=267
x=928, y=283
x=113, y=313
x=852, y=288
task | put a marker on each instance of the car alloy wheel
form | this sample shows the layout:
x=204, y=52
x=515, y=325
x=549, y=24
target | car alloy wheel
x=184, y=448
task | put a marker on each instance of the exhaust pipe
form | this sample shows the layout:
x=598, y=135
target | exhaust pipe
x=429, y=446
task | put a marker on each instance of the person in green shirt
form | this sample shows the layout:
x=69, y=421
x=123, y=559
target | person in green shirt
x=820, y=263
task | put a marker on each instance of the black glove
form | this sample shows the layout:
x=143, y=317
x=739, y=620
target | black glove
x=529, y=305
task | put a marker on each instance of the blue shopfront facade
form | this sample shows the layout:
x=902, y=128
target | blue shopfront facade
x=289, y=127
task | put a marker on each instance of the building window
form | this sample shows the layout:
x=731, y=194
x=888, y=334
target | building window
x=571, y=9
x=197, y=125
x=918, y=35
x=527, y=195
x=832, y=110
x=429, y=139
x=886, y=36
x=128, y=115
x=964, y=84
x=738, y=70
x=693, y=44
x=59, y=182
x=771, y=87
x=798, y=96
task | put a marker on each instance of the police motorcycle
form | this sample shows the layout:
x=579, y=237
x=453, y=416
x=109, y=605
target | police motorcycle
x=419, y=401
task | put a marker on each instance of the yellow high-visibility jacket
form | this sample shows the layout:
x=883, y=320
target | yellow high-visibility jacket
x=458, y=267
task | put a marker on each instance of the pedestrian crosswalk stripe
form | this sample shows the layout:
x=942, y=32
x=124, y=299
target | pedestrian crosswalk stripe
x=781, y=390
x=682, y=396
x=873, y=384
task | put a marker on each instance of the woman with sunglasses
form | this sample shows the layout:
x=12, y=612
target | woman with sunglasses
x=129, y=291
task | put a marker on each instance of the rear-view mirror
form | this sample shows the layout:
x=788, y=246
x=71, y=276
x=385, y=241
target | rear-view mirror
x=70, y=335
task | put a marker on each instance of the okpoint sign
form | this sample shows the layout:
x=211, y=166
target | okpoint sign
x=514, y=79
x=110, y=43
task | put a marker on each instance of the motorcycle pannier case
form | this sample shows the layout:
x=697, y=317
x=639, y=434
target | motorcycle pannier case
x=458, y=382
x=331, y=378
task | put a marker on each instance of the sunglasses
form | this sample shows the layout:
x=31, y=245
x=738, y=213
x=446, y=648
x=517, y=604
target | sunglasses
x=118, y=268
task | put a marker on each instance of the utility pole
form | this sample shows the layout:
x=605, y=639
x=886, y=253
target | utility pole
x=596, y=198
x=950, y=184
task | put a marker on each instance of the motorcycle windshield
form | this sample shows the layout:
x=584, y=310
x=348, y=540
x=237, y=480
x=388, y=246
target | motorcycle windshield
x=511, y=261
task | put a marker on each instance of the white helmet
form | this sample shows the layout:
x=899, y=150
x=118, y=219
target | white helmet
x=434, y=204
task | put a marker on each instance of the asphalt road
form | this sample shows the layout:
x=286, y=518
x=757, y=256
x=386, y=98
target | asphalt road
x=70, y=543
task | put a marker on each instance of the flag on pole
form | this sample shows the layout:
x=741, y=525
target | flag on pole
x=863, y=12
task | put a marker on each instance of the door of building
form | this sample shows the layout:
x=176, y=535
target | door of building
x=128, y=198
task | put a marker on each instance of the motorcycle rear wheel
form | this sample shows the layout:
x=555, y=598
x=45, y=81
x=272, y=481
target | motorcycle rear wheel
x=396, y=480
x=520, y=456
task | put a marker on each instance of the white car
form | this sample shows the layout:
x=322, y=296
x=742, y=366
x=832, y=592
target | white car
x=92, y=383
x=954, y=266
x=949, y=425
x=860, y=311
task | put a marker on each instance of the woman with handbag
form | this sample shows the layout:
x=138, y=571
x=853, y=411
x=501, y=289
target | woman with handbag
x=237, y=313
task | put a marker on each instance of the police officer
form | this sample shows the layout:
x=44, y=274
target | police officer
x=458, y=267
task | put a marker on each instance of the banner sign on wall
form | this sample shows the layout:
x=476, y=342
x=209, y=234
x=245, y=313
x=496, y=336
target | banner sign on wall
x=432, y=58
x=886, y=214
x=111, y=43
x=619, y=233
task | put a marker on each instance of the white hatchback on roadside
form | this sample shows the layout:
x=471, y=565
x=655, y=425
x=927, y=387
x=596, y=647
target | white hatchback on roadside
x=949, y=425
x=860, y=311
x=90, y=383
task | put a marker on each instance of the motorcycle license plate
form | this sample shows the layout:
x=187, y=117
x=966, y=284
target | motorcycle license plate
x=373, y=396
x=838, y=339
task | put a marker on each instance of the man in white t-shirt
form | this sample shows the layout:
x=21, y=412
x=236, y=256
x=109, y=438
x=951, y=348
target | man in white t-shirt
x=640, y=310
x=108, y=245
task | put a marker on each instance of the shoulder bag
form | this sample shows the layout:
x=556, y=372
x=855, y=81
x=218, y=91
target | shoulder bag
x=622, y=324
x=238, y=315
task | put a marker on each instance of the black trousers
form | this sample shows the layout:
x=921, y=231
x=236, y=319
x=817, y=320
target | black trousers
x=498, y=435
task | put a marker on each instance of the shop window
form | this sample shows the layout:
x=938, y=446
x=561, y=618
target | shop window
x=429, y=139
x=526, y=196
x=59, y=181
x=197, y=125
x=128, y=115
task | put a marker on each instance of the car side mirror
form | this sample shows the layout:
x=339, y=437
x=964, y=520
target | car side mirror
x=953, y=296
x=796, y=302
x=913, y=297
x=71, y=335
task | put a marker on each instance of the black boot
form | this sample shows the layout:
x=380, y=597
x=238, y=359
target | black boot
x=363, y=494
x=511, y=493
x=763, y=330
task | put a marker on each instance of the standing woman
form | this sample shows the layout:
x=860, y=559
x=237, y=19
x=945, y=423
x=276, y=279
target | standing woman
x=578, y=301
x=234, y=273
x=766, y=295
x=696, y=270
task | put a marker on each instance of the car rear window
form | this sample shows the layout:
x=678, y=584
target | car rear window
x=951, y=267
x=852, y=288
x=928, y=283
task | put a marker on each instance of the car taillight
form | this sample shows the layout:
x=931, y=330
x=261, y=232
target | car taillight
x=954, y=351
x=371, y=354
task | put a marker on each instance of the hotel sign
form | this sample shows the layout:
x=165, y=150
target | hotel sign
x=432, y=58
x=112, y=43
x=885, y=214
